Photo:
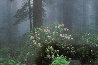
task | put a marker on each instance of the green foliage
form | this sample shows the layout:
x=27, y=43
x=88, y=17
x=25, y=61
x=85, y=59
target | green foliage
x=51, y=52
x=60, y=61
x=39, y=38
x=45, y=43
x=44, y=36
x=89, y=39
x=86, y=45
x=9, y=56
x=11, y=62
x=86, y=54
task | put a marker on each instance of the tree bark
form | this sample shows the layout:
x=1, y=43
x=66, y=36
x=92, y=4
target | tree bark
x=37, y=13
x=96, y=23
x=67, y=14
x=30, y=14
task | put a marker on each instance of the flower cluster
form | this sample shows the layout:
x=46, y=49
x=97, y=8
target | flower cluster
x=51, y=52
x=44, y=39
x=46, y=35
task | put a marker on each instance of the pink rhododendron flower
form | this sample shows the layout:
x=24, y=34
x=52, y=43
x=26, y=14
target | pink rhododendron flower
x=48, y=36
x=53, y=56
x=68, y=37
x=47, y=50
x=34, y=41
x=32, y=37
x=57, y=54
x=62, y=55
x=48, y=55
x=39, y=44
x=51, y=47
x=61, y=35
x=66, y=29
x=48, y=30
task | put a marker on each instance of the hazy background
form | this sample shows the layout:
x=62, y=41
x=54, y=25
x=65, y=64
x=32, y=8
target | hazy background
x=77, y=15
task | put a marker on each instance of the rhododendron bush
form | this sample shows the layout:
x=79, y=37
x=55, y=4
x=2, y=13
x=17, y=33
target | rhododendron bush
x=45, y=43
x=42, y=37
x=46, y=35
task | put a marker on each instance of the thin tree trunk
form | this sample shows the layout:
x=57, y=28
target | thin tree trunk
x=30, y=17
x=96, y=23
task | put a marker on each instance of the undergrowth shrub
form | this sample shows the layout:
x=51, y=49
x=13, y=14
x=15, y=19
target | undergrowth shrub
x=61, y=60
x=87, y=47
x=9, y=56
x=42, y=37
x=45, y=43
x=89, y=39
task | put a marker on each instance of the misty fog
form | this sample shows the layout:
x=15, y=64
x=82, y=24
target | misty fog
x=45, y=32
x=77, y=15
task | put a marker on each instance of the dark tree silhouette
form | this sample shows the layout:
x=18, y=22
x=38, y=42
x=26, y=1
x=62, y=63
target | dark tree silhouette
x=30, y=14
x=67, y=17
x=37, y=13
x=96, y=23
x=33, y=12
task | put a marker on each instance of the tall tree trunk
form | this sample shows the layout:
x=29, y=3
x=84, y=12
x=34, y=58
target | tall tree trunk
x=37, y=13
x=30, y=14
x=96, y=23
x=67, y=14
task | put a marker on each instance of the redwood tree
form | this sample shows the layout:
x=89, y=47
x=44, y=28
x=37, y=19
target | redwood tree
x=34, y=12
x=37, y=13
